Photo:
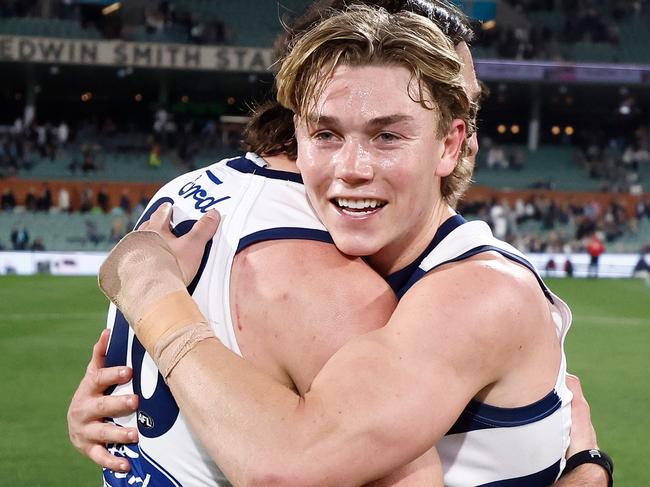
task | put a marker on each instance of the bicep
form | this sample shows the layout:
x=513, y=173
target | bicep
x=396, y=391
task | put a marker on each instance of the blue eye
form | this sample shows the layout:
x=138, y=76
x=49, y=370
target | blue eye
x=387, y=137
x=324, y=136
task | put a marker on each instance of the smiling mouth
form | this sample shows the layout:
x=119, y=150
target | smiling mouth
x=358, y=206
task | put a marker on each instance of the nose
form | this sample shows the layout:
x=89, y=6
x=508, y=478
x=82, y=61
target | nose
x=353, y=164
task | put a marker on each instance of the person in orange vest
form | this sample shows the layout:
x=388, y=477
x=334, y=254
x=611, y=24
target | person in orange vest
x=595, y=247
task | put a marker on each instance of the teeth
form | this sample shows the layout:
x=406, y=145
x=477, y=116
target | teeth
x=358, y=204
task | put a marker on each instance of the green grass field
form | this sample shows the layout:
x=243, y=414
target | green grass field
x=48, y=325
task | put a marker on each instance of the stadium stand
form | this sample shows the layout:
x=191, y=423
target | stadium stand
x=590, y=174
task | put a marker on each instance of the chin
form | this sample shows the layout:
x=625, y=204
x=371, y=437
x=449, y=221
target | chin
x=355, y=246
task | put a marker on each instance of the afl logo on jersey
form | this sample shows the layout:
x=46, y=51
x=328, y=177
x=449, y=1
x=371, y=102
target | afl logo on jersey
x=145, y=420
x=202, y=201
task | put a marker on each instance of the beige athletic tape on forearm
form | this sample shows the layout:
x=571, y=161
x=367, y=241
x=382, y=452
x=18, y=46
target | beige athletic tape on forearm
x=142, y=277
x=175, y=345
x=172, y=312
x=138, y=272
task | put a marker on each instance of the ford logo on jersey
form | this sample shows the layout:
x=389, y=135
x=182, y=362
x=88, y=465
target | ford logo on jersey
x=203, y=201
x=145, y=420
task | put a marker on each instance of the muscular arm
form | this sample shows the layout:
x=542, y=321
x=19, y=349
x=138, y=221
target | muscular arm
x=316, y=301
x=380, y=402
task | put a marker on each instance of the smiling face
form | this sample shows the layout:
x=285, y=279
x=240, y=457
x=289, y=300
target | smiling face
x=371, y=159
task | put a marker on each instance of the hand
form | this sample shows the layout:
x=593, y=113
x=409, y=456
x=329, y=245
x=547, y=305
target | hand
x=86, y=427
x=189, y=248
x=583, y=434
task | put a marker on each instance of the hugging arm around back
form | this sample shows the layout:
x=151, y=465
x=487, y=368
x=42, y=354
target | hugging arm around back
x=379, y=403
x=347, y=428
x=295, y=303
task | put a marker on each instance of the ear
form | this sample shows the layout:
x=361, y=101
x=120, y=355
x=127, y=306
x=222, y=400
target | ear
x=451, y=148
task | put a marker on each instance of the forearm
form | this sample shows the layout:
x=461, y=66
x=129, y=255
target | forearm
x=587, y=475
x=260, y=432
x=257, y=430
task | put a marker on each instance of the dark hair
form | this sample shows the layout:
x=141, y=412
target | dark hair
x=270, y=130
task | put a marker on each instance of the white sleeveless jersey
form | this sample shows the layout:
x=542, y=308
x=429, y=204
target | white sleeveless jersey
x=488, y=445
x=256, y=204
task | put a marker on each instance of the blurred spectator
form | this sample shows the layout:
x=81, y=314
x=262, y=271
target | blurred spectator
x=8, y=201
x=64, y=200
x=568, y=267
x=92, y=233
x=154, y=156
x=118, y=230
x=103, y=200
x=44, y=202
x=125, y=201
x=62, y=134
x=642, y=268
x=31, y=203
x=496, y=158
x=37, y=244
x=595, y=248
x=19, y=238
x=86, y=203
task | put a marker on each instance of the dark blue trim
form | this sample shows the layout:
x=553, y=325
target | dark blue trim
x=398, y=279
x=284, y=233
x=420, y=273
x=478, y=416
x=147, y=214
x=212, y=177
x=543, y=478
x=245, y=165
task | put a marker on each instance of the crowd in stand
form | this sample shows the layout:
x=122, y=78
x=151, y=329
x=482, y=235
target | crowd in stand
x=591, y=21
x=156, y=17
x=87, y=148
x=564, y=227
x=122, y=211
x=21, y=142
x=619, y=162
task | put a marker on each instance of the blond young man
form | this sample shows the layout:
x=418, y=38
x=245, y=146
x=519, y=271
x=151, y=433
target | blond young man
x=380, y=133
x=474, y=82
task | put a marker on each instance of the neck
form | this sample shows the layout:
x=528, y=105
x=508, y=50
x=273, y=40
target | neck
x=281, y=162
x=403, y=252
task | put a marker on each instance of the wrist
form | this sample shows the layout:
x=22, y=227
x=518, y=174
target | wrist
x=595, y=464
x=139, y=271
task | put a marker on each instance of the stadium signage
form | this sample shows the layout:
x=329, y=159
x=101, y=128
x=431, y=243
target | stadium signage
x=565, y=72
x=136, y=54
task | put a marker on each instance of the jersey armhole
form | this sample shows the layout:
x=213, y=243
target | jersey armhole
x=284, y=233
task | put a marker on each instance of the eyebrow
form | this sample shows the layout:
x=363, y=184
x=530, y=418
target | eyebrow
x=373, y=123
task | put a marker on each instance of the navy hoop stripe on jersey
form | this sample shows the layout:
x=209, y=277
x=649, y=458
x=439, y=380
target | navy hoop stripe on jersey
x=242, y=164
x=478, y=415
x=420, y=273
x=399, y=279
x=284, y=234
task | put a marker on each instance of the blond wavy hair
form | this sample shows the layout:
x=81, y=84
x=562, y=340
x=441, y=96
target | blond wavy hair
x=363, y=36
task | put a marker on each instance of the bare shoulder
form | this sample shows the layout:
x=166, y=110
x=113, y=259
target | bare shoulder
x=296, y=302
x=485, y=283
x=486, y=306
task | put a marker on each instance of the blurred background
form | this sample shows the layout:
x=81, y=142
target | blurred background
x=102, y=102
